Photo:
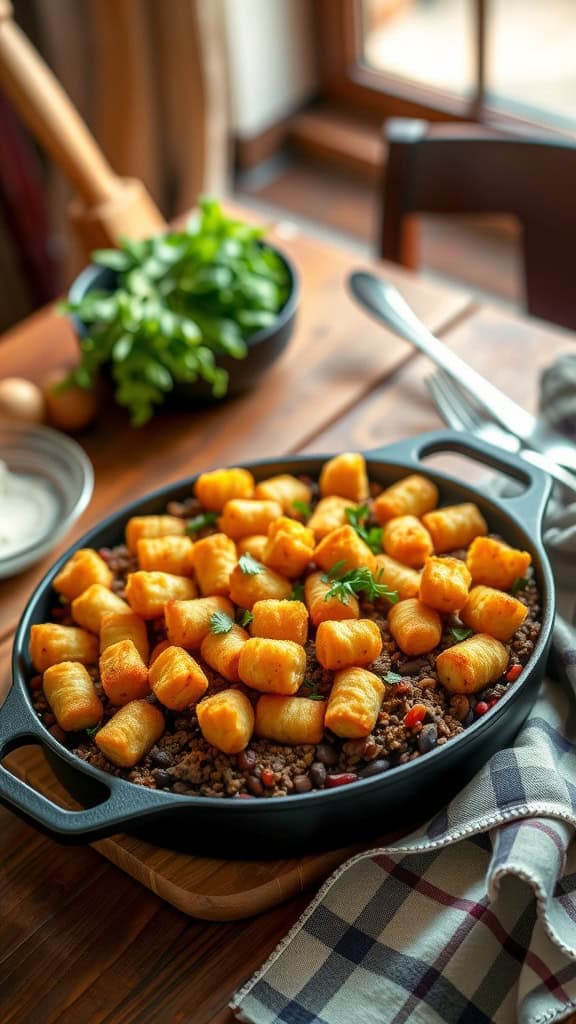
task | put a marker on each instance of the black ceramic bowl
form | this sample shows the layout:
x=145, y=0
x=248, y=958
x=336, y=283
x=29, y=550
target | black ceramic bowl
x=264, y=347
x=292, y=824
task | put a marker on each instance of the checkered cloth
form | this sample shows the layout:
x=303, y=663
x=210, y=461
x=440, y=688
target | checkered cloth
x=471, y=919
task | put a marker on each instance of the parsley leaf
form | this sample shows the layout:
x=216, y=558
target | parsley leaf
x=249, y=566
x=246, y=618
x=460, y=633
x=518, y=584
x=392, y=677
x=303, y=508
x=220, y=622
x=372, y=536
x=355, y=582
x=314, y=691
x=297, y=592
x=93, y=729
x=200, y=521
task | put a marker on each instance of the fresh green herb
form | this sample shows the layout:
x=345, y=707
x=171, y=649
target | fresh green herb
x=314, y=693
x=181, y=301
x=245, y=618
x=392, y=677
x=303, y=508
x=220, y=622
x=297, y=592
x=519, y=584
x=356, y=581
x=357, y=518
x=460, y=633
x=249, y=566
x=200, y=521
x=93, y=729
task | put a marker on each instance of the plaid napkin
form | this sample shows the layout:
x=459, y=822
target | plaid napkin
x=470, y=919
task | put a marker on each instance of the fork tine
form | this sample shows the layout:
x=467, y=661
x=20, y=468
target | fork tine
x=443, y=402
x=461, y=403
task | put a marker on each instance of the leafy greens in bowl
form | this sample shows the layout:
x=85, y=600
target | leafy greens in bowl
x=199, y=313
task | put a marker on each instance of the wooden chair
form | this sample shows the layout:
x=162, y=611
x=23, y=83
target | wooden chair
x=468, y=169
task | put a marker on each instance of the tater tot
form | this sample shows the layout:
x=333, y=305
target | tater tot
x=72, y=697
x=290, y=547
x=89, y=607
x=130, y=733
x=286, y=490
x=243, y=518
x=176, y=679
x=247, y=588
x=215, y=488
x=188, y=622
x=254, y=546
x=280, y=620
x=152, y=526
x=290, y=720
x=343, y=644
x=492, y=611
x=495, y=564
x=166, y=554
x=444, y=584
x=272, y=666
x=320, y=609
x=226, y=720
x=454, y=526
x=329, y=514
x=416, y=628
x=344, y=545
x=123, y=674
x=148, y=592
x=354, y=703
x=345, y=475
x=82, y=570
x=222, y=651
x=412, y=496
x=473, y=664
x=406, y=540
x=115, y=627
x=401, y=578
x=214, y=559
x=51, y=643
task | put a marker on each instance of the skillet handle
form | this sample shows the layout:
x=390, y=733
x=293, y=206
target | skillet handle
x=123, y=803
x=529, y=506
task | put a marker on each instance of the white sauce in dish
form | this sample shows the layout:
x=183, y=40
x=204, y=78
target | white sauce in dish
x=29, y=510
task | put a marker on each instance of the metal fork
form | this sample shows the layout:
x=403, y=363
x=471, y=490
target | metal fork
x=460, y=413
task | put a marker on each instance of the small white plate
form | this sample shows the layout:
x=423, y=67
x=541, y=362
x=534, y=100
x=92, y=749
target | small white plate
x=64, y=466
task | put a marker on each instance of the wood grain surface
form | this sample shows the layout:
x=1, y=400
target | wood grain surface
x=80, y=941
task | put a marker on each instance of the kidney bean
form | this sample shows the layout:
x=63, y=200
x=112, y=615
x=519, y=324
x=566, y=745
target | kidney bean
x=460, y=706
x=376, y=768
x=254, y=785
x=318, y=774
x=161, y=758
x=302, y=784
x=162, y=779
x=246, y=760
x=427, y=738
x=326, y=754
x=342, y=779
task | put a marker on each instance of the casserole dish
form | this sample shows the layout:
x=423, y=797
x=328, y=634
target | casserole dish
x=298, y=823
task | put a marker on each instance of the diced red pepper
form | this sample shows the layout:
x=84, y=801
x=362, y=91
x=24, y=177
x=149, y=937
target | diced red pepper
x=342, y=779
x=513, y=673
x=267, y=777
x=481, y=708
x=416, y=714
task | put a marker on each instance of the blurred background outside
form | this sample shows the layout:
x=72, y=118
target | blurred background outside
x=279, y=104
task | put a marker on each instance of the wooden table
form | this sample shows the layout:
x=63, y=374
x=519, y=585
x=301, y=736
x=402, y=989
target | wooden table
x=81, y=942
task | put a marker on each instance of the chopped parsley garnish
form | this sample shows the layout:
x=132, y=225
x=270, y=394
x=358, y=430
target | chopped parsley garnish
x=297, y=592
x=371, y=536
x=200, y=521
x=356, y=581
x=220, y=622
x=93, y=729
x=249, y=566
x=460, y=633
x=518, y=584
x=392, y=677
x=245, y=618
x=314, y=691
x=303, y=508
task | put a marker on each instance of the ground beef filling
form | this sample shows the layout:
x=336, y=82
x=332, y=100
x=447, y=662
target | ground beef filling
x=183, y=762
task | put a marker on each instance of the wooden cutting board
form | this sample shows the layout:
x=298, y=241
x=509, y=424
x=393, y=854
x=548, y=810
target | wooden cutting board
x=205, y=887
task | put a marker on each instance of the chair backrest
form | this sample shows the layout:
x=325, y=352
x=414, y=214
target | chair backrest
x=468, y=169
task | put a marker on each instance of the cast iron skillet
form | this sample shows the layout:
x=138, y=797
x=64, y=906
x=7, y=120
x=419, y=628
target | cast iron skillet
x=288, y=825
